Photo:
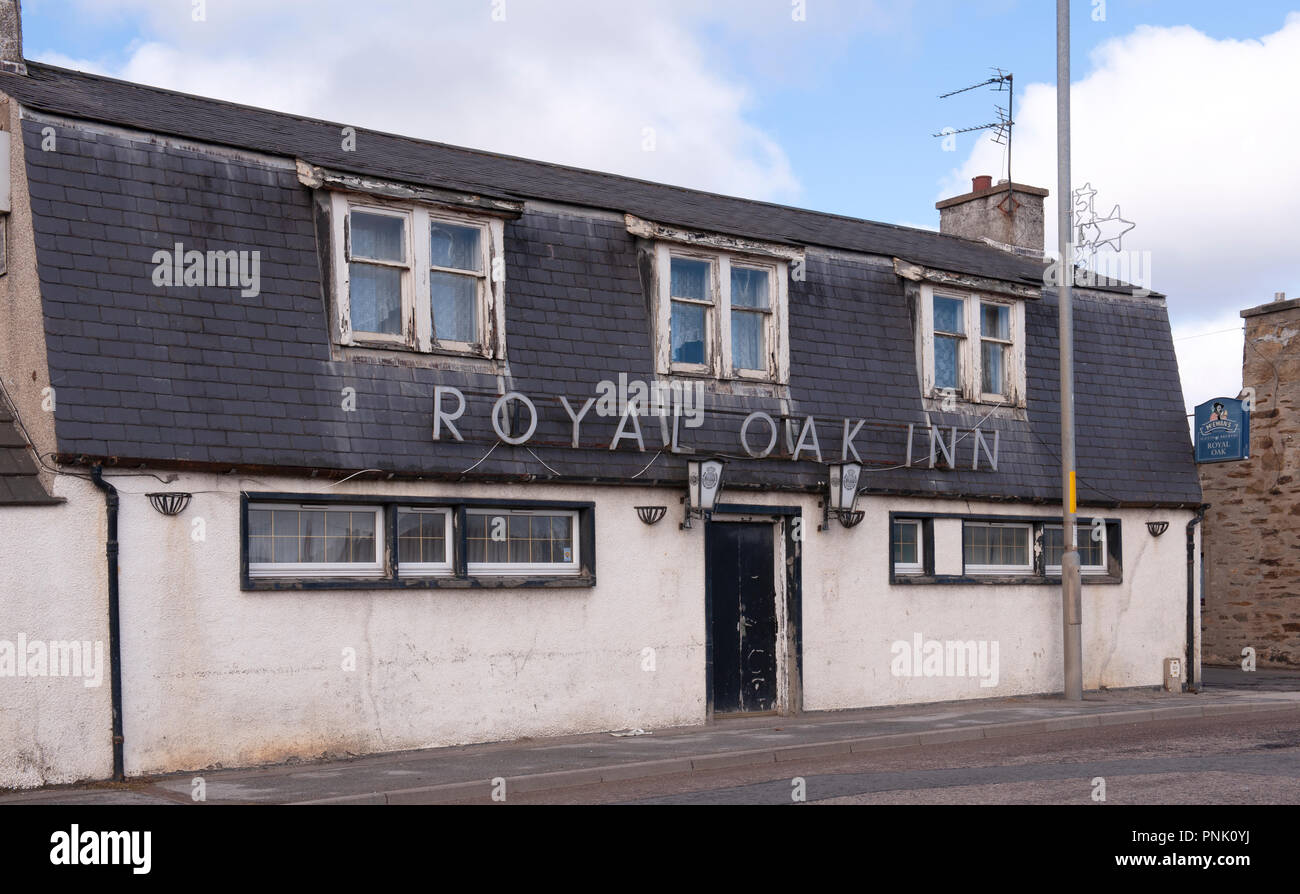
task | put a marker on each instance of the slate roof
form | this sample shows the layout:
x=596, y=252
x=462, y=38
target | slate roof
x=20, y=483
x=202, y=375
x=427, y=163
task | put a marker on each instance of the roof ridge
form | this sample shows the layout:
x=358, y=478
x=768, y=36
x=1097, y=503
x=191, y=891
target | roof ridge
x=484, y=153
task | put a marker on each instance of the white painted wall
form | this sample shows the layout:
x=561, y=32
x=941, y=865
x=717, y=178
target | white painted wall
x=55, y=729
x=214, y=675
x=852, y=615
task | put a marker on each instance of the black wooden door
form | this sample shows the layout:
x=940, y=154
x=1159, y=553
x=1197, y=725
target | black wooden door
x=742, y=599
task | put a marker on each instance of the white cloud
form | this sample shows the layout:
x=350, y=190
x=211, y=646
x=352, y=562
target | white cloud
x=1196, y=139
x=1209, y=357
x=616, y=87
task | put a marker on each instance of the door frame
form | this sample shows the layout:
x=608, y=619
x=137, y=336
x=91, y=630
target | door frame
x=787, y=556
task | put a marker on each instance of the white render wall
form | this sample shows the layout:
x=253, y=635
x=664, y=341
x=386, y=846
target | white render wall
x=215, y=675
x=54, y=587
x=852, y=616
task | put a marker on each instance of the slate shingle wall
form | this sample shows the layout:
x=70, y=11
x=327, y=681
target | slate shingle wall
x=203, y=374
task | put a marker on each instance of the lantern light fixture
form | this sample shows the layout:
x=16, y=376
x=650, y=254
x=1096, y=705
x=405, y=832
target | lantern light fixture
x=703, y=486
x=842, y=495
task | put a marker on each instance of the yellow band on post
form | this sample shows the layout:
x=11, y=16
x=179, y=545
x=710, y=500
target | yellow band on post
x=1074, y=506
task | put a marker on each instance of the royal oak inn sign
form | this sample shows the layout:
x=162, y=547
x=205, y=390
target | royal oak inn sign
x=1222, y=427
x=757, y=433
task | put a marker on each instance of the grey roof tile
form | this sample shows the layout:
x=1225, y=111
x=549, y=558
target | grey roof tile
x=219, y=377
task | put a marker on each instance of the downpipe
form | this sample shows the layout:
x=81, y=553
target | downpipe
x=114, y=621
x=1193, y=684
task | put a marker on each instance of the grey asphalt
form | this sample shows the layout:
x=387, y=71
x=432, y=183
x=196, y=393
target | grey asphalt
x=468, y=772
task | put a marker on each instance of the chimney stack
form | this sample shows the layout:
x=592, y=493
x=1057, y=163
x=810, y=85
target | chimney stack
x=11, y=37
x=1010, y=214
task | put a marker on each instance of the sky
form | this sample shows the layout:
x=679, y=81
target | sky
x=1184, y=111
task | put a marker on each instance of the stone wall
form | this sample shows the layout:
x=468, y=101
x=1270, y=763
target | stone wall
x=1252, y=531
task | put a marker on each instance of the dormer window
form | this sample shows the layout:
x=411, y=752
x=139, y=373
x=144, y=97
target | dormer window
x=723, y=318
x=972, y=347
x=720, y=303
x=417, y=278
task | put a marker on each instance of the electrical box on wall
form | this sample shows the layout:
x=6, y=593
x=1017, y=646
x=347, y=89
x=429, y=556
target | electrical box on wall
x=1173, y=675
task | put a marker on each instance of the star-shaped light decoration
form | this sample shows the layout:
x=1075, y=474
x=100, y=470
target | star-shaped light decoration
x=1083, y=197
x=1094, y=231
x=1112, y=227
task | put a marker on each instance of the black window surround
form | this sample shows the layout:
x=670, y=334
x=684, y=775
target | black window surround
x=1039, y=576
x=460, y=576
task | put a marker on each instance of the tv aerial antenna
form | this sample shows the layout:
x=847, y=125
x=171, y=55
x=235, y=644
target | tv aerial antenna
x=1000, y=82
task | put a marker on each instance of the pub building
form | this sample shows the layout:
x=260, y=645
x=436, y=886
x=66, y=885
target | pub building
x=394, y=445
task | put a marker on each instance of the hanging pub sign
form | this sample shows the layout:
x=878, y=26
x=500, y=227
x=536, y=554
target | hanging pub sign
x=1222, y=427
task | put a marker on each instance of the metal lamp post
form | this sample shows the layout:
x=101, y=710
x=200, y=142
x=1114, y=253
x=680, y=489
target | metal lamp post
x=1071, y=584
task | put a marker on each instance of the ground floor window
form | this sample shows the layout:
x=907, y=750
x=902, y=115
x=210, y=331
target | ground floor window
x=517, y=541
x=937, y=547
x=315, y=540
x=1090, y=541
x=289, y=542
x=424, y=538
x=996, y=548
x=907, y=548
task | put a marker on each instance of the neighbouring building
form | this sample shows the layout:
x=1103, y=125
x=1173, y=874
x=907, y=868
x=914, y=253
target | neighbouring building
x=387, y=443
x=1252, y=528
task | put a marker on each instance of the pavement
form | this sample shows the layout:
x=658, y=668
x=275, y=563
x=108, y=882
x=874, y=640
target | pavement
x=473, y=772
x=1218, y=679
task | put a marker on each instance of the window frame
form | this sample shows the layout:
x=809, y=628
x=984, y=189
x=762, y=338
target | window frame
x=769, y=318
x=382, y=339
x=719, y=363
x=294, y=570
x=936, y=550
x=517, y=568
x=919, y=566
x=1104, y=568
x=483, y=283
x=425, y=569
x=1027, y=568
x=1008, y=352
x=712, y=309
x=970, y=349
x=391, y=576
x=418, y=333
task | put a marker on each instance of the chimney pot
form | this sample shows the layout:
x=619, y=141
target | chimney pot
x=1279, y=296
x=983, y=181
